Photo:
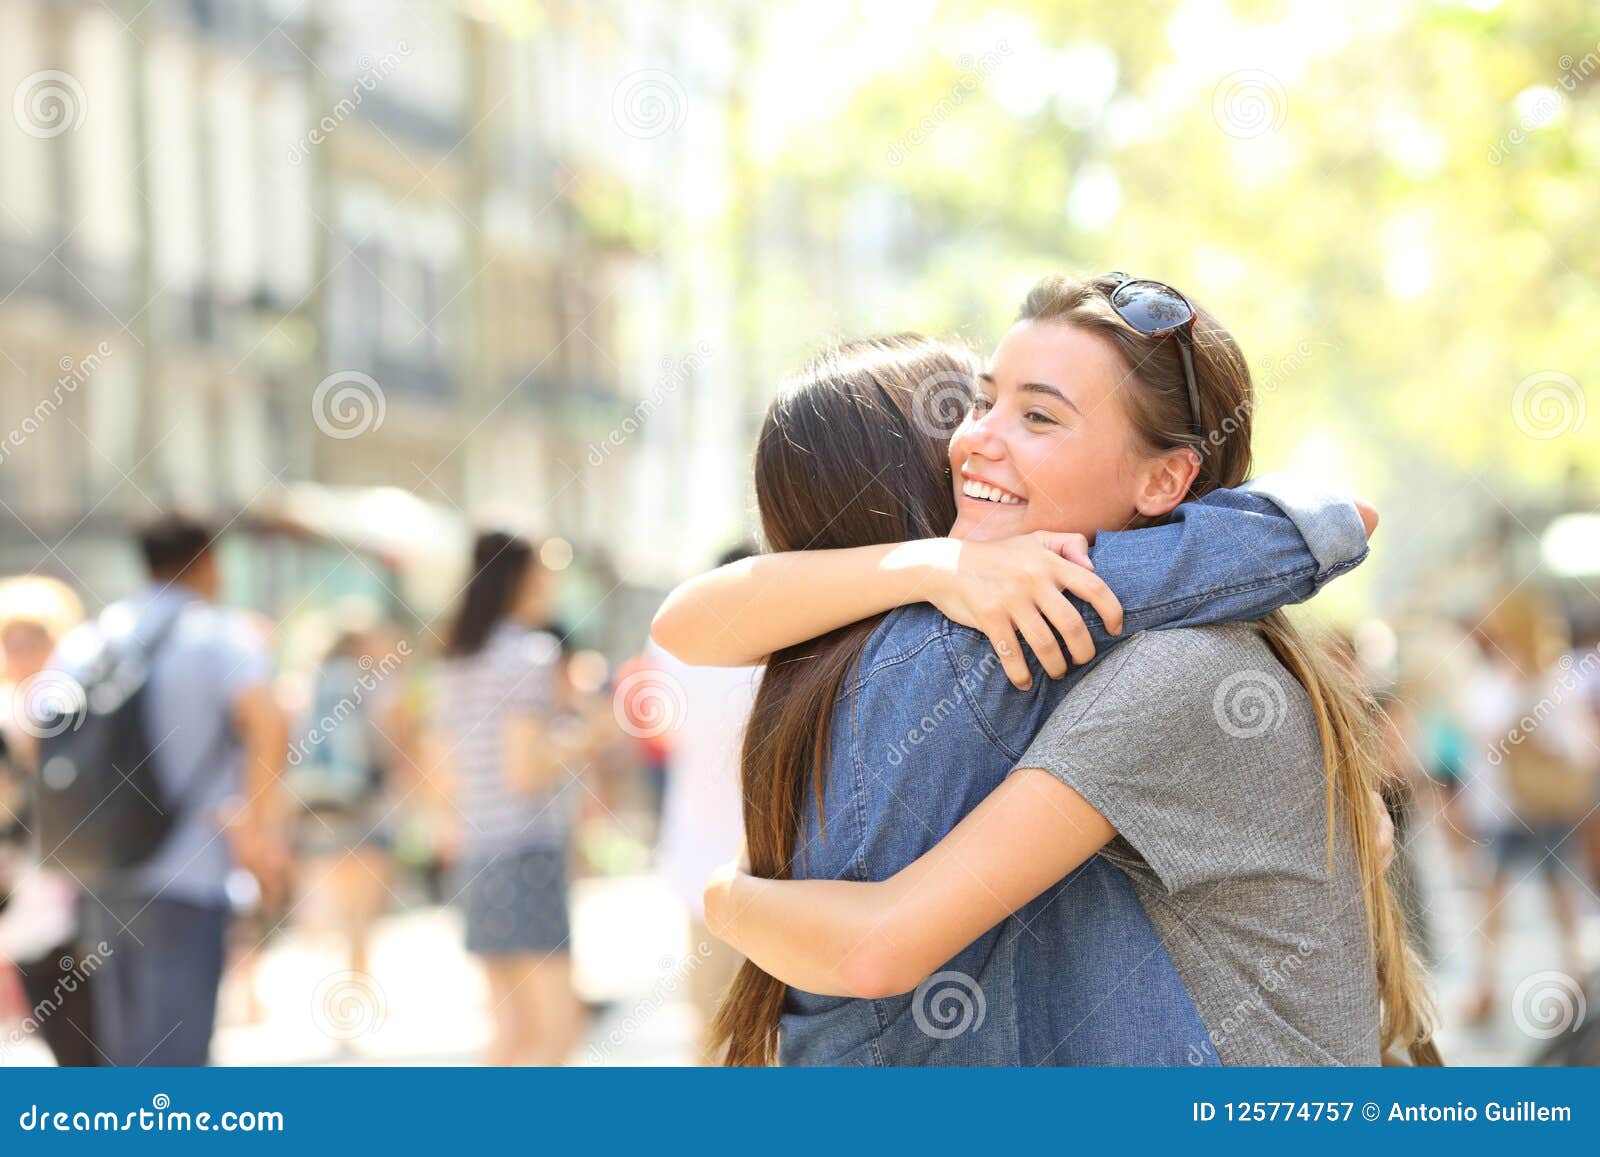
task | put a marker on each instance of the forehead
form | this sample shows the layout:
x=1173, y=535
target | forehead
x=1083, y=365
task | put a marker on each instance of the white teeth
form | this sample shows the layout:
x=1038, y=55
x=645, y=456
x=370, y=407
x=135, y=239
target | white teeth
x=975, y=489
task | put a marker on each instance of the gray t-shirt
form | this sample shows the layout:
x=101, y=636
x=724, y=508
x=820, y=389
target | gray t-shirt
x=1202, y=751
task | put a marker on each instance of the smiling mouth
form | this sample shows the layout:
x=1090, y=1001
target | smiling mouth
x=983, y=492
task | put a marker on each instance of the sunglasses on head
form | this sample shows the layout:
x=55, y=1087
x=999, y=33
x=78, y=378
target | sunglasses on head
x=1155, y=309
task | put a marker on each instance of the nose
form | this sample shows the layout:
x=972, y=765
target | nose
x=983, y=437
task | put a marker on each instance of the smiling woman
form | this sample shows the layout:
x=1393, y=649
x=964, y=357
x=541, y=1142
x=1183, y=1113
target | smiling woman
x=1041, y=431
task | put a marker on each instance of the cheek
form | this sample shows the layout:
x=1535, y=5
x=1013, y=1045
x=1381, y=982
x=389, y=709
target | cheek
x=1080, y=488
x=1054, y=471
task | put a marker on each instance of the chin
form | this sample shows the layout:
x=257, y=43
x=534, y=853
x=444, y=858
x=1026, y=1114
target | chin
x=985, y=526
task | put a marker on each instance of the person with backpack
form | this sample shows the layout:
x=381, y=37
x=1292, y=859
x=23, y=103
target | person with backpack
x=194, y=795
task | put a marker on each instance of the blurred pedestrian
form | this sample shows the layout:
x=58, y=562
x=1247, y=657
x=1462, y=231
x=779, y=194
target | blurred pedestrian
x=503, y=774
x=702, y=822
x=339, y=775
x=219, y=741
x=39, y=920
x=1532, y=780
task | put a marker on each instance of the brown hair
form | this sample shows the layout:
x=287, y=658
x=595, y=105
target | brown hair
x=500, y=564
x=851, y=453
x=1155, y=399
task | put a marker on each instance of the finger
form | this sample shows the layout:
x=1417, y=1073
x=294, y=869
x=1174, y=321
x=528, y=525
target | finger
x=1093, y=590
x=1003, y=638
x=1369, y=515
x=1045, y=647
x=1080, y=644
x=1072, y=547
x=1064, y=617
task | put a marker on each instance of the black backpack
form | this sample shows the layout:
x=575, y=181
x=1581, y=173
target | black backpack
x=100, y=806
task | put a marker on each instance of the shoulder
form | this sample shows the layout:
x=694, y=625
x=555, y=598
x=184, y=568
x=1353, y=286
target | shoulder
x=1170, y=675
x=224, y=631
x=920, y=665
x=904, y=634
x=919, y=640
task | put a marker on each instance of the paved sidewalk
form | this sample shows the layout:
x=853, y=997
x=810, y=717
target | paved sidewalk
x=424, y=1000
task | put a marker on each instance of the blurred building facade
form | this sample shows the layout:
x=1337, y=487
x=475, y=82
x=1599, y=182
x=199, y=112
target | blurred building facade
x=255, y=248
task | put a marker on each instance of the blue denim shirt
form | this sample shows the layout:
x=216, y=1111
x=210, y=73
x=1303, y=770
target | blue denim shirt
x=928, y=725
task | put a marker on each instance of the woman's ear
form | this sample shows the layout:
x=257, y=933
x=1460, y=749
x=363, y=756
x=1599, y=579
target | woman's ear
x=1164, y=481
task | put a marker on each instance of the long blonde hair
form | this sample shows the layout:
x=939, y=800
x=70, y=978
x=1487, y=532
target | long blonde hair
x=1157, y=405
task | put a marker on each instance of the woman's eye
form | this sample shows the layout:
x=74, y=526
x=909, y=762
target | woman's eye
x=980, y=404
x=1040, y=416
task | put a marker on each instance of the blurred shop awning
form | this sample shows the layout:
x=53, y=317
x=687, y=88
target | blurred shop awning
x=425, y=542
x=383, y=519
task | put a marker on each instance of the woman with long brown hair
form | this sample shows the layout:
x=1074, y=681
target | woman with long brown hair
x=1226, y=770
x=499, y=778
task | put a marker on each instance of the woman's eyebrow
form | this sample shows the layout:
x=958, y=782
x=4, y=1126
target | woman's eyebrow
x=1051, y=391
x=1037, y=388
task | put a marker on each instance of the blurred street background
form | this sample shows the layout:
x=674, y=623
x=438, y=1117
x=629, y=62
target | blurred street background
x=351, y=281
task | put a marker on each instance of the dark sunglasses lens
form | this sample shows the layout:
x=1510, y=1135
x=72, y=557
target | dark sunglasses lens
x=1150, y=307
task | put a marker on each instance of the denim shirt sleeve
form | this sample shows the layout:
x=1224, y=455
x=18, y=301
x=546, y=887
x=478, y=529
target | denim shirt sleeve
x=1326, y=519
x=1234, y=555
